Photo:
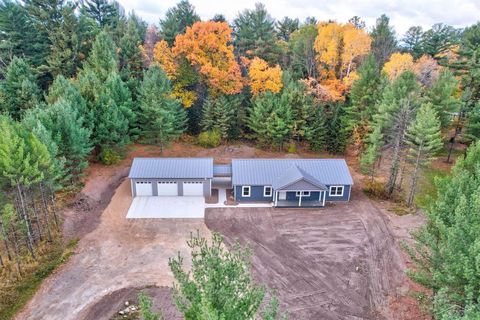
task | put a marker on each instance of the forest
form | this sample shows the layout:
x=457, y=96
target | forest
x=81, y=80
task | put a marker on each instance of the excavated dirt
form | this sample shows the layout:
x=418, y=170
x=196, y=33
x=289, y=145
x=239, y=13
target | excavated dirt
x=342, y=262
x=336, y=263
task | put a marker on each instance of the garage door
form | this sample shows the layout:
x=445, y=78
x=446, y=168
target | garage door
x=193, y=188
x=167, y=188
x=143, y=188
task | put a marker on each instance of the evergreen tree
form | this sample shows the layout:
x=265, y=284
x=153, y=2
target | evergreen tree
x=103, y=59
x=364, y=95
x=413, y=41
x=384, y=42
x=18, y=37
x=439, y=38
x=315, y=131
x=286, y=27
x=443, y=96
x=67, y=131
x=177, y=20
x=357, y=22
x=254, y=34
x=19, y=90
x=472, y=129
x=270, y=119
x=104, y=12
x=162, y=118
x=221, y=114
x=424, y=141
x=63, y=89
x=445, y=252
x=301, y=42
x=336, y=134
x=372, y=153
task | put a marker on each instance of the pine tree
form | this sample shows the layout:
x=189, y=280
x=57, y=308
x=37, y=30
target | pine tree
x=336, y=134
x=63, y=89
x=364, y=95
x=443, y=96
x=130, y=56
x=286, y=27
x=384, y=40
x=19, y=90
x=424, y=140
x=177, y=20
x=162, y=118
x=445, y=250
x=372, y=153
x=315, y=130
x=472, y=129
x=413, y=41
x=103, y=59
x=254, y=34
x=104, y=12
x=438, y=39
x=301, y=42
x=221, y=114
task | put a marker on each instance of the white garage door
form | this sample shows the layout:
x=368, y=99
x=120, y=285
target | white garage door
x=167, y=188
x=143, y=188
x=193, y=188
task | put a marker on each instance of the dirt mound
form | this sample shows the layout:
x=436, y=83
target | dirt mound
x=109, y=306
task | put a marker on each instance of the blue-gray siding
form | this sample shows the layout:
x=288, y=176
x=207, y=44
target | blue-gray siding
x=256, y=194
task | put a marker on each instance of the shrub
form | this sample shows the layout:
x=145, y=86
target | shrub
x=109, y=156
x=375, y=189
x=209, y=139
x=292, y=147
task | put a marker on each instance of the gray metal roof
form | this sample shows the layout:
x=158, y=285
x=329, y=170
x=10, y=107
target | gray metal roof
x=295, y=174
x=181, y=168
x=222, y=170
x=279, y=171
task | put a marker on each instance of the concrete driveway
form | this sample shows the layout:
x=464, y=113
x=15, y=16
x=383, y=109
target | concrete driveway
x=166, y=207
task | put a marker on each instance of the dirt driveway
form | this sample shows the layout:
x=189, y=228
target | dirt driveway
x=118, y=254
x=341, y=262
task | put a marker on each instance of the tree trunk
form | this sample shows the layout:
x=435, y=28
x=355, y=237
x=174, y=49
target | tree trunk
x=413, y=185
x=52, y=200
x=5, y=241
x=402, y=175
x=45, y=211
x=392, y=179
x=35, y=214
x=17, y=253
x=27, y=221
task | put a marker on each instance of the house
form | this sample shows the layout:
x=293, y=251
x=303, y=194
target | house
x=291, y=182
x=281, y=182
x=171, y=177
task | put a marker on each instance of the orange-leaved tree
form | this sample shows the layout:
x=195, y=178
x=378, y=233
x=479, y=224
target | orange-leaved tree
x=163, y=55
x=339, y=48
x=397, y=64
x=206, y=46
x=263, y=77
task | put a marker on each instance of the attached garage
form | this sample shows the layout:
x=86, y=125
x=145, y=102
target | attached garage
x=167, y=188
x=193, y=188
x=144, y=188
x=171, y=177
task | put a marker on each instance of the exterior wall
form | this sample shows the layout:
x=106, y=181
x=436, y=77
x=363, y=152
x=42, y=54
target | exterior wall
x=207, y=185
x=345, y=197
x=291, y=196
x=256, y=194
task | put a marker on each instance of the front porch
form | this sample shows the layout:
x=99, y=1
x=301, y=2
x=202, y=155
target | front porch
x=295, y=204
x=299, y=198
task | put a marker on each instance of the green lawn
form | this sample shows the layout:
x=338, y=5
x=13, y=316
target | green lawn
x=427, y=189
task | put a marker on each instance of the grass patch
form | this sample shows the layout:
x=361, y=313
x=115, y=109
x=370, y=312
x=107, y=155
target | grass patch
x=427, y=190
x=16, y=291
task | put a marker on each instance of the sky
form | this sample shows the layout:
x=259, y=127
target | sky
x=402, y=13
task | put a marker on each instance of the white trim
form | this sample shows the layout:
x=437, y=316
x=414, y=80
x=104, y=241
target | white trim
x=271, y=191
x=324, y=196
x=336, y=190
x=276, y=197
x=249, y=191
x=302, y=193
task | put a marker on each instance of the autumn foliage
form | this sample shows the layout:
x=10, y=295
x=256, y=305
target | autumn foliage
x=162, y=54
x=264, y=78
x=397, y=64
x=206, y=46
x=339, y=48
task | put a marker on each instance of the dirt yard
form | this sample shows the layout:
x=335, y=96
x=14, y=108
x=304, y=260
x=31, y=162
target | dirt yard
x=336, y=263
x=340, y=262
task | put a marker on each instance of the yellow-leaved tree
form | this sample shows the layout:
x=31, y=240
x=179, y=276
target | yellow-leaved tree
x=339, y=48
x=206, y=46
x=263, y=77
x=397, y=64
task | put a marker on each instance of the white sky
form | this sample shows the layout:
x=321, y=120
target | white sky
x=403, y=14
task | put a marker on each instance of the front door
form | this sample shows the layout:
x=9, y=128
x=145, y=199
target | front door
x=282, y=195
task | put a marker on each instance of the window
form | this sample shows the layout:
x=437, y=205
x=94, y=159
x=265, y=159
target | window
x=246, y=191
x=336, y=191
x=303, y=193
x=267, y=191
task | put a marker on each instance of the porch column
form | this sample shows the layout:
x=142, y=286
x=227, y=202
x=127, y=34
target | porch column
x=300, y=200
x=275, y=194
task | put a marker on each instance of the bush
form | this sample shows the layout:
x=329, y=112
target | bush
x=375, y=189
x=292, y=147
x=109, y=156
x=209, y=139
